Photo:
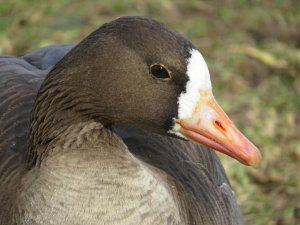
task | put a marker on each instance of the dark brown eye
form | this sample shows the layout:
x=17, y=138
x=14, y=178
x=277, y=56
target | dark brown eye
x=160, y=72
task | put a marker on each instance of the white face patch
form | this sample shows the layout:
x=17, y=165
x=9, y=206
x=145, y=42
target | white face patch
x=199, y=81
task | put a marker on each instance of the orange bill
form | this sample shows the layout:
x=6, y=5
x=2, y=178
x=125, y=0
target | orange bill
x=210, y=126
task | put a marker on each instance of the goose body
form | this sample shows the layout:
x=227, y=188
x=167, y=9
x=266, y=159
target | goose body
x=86, y=156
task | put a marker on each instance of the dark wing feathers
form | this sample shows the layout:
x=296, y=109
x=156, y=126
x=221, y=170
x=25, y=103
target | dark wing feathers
x=45, y=58
x=20, y=79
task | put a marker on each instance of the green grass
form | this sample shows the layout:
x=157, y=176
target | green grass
x=253, y=52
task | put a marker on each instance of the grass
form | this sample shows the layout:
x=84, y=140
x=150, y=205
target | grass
x=252, y=49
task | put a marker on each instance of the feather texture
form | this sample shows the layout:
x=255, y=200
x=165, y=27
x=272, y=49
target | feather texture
x=189, y=178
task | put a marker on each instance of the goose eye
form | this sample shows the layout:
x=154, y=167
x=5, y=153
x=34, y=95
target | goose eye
x=160, y=72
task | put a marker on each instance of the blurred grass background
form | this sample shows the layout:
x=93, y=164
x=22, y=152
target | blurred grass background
x=253, y=52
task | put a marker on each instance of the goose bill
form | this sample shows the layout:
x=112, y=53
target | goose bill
x=209, y=125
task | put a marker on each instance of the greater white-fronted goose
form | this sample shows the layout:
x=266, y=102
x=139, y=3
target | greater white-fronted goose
x=107, y=137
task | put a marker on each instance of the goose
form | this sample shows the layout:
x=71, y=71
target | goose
x=118, y=129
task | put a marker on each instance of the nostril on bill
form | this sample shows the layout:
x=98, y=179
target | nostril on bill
x=219, y=125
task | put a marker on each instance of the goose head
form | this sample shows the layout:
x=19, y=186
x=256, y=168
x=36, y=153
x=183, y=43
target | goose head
x=138, y=72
